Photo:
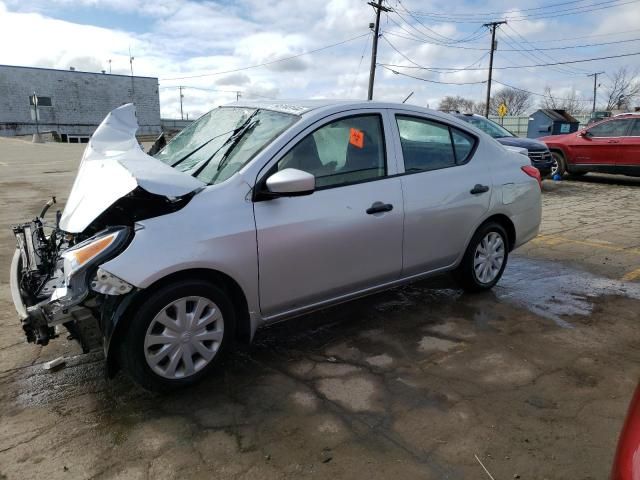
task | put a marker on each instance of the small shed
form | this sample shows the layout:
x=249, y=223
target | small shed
x=551, y=122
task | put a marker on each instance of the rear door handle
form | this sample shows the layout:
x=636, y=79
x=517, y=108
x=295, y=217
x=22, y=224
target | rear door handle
x=379, y=207
x=479, y=189
x=613, y=141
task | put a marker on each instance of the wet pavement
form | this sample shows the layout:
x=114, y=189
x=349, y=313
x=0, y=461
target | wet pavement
x=533, y=378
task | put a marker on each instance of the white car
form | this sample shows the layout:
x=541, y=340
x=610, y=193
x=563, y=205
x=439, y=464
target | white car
x=259, y=212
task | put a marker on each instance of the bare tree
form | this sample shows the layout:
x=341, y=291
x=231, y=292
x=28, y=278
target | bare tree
x=518, y=101
x=624, y=89
x=457, y=103
x=478, y=108
x=571, y=102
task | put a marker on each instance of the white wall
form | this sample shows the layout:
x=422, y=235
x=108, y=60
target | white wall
x=80, y=100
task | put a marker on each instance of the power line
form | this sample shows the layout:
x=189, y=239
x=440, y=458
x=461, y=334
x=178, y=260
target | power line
x=542, y=53
x=428, y=80
x=534, y=56
x=558, y=13
x=269, y=63
x=554, y=40
x=519, y=66
x=483, y=14
x=199, y=88
x=587, y=45
x=540, y=94
x=421, y=35
x=448, y=39
x=551, y=40
x=427, y=68
x=355, y=78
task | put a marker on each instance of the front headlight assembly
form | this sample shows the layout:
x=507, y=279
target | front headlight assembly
x=92, y=252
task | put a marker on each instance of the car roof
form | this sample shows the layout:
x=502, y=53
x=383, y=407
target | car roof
x=302, y=107
x=626, y=114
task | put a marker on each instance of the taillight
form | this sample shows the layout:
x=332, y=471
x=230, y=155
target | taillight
x=533, y=172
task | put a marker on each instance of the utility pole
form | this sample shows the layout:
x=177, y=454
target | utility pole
x=492, y=26
x=37, y=114
x=237, y=95
x=109, y=66
x=595, y=87
x=181, y=97
x=131, y=64
x=374, y=50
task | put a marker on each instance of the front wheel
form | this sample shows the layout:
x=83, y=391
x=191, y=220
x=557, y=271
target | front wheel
x=485, y=259
x=178, y=335
x=559, y=166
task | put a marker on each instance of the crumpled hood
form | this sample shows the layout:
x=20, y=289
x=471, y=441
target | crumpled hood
x=112, y=166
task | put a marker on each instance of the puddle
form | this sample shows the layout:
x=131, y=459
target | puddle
x=552, y=290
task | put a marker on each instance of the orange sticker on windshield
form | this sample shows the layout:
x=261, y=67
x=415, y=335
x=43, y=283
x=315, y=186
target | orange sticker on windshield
x=356, y=137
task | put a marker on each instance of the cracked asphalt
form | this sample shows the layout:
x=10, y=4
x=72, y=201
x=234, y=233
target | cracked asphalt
x=533, y=378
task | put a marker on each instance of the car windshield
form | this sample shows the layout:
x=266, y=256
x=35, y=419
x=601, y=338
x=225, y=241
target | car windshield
x=221, y=142
x=489, y=127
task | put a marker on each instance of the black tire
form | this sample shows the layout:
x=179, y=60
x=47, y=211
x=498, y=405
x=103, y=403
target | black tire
x=132, y=348
x=465, y=274
x=561, y=163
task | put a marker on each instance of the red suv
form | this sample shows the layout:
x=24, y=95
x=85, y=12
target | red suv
x=610, y=146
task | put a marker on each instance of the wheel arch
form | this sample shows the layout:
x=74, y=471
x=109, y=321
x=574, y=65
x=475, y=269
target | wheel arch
x=561, y=152
x=119, y=317
x=505, y=222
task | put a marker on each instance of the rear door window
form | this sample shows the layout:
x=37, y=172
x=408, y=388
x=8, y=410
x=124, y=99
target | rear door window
x=612, y=128
x=428, y=145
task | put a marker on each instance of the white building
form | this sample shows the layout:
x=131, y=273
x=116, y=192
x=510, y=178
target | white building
x=71, y=103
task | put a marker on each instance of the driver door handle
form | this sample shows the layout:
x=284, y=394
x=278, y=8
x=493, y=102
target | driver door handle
x=379, y=207
x=479, y=189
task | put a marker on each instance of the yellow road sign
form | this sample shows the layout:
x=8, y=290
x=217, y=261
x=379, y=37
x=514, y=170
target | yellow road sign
x=502, y=110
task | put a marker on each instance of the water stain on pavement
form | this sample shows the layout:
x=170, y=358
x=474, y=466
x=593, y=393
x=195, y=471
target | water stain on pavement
x=411, y=383
x=552, y=290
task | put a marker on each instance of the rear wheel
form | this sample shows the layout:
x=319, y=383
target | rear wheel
x=485, y=258
x=178, y=335
x=559, y=166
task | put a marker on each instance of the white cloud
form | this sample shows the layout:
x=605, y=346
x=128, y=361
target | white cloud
x=182, y=38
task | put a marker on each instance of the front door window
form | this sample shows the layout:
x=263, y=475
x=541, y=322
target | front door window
x=349, y=150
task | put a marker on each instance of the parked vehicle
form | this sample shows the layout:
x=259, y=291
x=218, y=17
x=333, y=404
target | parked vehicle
x=259, y=212
x=626, y=465
x=610, y=146
x=598, y=116
x=538, y=152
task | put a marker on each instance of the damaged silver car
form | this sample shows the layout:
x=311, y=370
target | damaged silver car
x=260, y=212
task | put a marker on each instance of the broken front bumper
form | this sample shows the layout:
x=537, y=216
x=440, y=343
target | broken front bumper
x=14, y=282
x=40, y=319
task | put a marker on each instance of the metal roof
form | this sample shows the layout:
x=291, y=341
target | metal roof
x=75, y=71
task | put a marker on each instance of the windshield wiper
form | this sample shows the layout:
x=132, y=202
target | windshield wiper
x=233, y=141
x=180, y=160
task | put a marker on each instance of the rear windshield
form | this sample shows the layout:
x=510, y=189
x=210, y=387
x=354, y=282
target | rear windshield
x=489, y=127
x=221, y=142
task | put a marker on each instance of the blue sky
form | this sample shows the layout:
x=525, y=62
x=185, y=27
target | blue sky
x=183, y=38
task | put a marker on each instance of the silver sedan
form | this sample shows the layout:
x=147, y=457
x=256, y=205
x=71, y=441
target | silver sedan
x=259, y=212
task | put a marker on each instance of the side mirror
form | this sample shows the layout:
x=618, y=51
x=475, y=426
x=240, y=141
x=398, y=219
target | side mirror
x=291, y=182
x=585, y=134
